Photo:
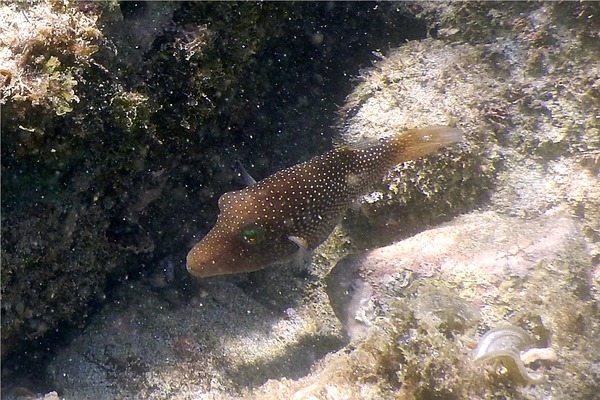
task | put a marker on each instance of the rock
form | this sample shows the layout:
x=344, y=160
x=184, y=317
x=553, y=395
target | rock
x=213, y=342
x=519, y=199
x=120, y=124
x=480, y=257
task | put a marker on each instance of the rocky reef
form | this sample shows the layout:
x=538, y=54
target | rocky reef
x=115, y=118
x=121, y=120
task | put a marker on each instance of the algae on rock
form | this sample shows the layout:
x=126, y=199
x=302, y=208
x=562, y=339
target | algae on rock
x=114, y=121
x=521, y=79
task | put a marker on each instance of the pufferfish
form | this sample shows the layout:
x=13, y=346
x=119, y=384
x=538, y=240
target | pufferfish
x=297, y=208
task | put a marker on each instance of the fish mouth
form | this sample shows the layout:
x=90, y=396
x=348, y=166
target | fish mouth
x=206, y=270
x=214, y=267
x=203, y=268
x=202, y=265
x=209, y=257
x=197, y=270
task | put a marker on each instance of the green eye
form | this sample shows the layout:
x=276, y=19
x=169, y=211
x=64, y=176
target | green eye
x=252, y=235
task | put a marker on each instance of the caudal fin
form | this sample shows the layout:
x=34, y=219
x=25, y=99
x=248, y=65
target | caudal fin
x=416, y=143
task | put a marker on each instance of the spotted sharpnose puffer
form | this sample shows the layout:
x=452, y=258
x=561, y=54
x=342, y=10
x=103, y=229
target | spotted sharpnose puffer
x=298, y=207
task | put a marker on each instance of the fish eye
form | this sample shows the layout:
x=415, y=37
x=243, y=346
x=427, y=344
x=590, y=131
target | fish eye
x=252, y=235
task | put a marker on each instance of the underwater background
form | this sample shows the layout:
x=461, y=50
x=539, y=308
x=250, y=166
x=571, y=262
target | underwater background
x=471, y=273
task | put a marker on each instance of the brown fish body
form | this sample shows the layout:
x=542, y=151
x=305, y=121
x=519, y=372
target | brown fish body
x=298, y=207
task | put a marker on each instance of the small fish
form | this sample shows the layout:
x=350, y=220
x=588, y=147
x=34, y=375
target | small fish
x=297, y=208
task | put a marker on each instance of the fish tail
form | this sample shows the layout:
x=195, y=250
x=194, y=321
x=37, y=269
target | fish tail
x=416, y=143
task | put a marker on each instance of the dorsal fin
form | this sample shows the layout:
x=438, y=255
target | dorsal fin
x=240, y=169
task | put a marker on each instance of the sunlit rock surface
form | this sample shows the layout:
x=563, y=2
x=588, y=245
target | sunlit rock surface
x=480, y=256
x=218, y=340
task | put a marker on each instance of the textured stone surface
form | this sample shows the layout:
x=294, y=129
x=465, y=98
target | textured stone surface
x=521, y=79
x=480, y=256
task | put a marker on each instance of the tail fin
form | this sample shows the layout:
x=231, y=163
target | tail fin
x=416, y=143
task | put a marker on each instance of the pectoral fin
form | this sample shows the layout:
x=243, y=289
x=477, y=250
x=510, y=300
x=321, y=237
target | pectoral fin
x=303, y=255
x=301, y=242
